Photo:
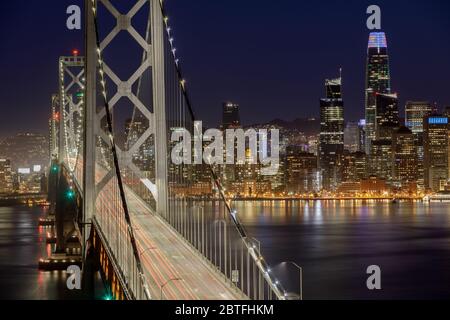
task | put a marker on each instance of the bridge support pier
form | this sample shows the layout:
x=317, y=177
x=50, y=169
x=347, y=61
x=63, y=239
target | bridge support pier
x=52, y=187
x=90, y=268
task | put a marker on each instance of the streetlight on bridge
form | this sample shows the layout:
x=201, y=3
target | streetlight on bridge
x=300, y=275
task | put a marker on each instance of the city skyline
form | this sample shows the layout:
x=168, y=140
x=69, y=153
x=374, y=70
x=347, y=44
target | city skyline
x=295, y=96
x=225, y=150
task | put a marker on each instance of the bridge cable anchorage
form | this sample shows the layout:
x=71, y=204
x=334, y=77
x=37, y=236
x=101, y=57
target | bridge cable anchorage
x=116, y=159
x=257, y=257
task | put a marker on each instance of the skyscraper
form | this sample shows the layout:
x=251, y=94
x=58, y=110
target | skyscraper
x=6, y=178
x=331, y=146
x=354, y=166
x=404, y=158
x=378, y=80
x=436, y=151
x=230, y=118
x=415, y=112
x=386, y=123
x=352, y=137
x=386, y=115
x=301, y=171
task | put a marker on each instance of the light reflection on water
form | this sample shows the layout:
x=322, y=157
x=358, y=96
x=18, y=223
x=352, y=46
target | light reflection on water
x=335, y=241
x=22, y=244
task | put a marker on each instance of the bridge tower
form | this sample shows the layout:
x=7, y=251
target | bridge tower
x=105, y=89
x=97, y=71
x=109, y=172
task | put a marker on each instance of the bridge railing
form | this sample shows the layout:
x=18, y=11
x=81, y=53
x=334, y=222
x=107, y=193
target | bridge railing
x=212, y=227
x=114, y=228
x=208, y=227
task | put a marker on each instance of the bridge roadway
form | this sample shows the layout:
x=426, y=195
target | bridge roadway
x=166, y=256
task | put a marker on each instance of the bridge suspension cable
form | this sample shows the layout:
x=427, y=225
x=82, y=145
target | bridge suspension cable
x=259, y=261
x=116, y=174
x=115, y=156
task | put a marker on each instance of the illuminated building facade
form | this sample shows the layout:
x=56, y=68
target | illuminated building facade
x=386, y=115
x=25, y=150
x=404, y=158
x=6, y=177
x=436, y=152
x=381, y=159
x=354, y=166
x=386, y=123
x=415, y=112
x=378, y=80
x=352, y=137
x=301, y=171
x=331, y=141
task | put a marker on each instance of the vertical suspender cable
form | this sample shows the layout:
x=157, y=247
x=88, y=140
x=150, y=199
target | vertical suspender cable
x=116, y=160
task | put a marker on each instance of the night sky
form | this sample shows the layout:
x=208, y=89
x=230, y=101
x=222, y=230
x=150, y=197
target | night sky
x=271, y=57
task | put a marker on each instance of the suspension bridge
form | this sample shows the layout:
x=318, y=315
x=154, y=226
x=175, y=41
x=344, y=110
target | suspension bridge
x=133, y=210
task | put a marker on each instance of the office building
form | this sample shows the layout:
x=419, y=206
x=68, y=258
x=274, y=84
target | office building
x=436, y=152
x=378, y=80
x=331, y=141
x=6, y=177
x=404, y=158
x=301, y=171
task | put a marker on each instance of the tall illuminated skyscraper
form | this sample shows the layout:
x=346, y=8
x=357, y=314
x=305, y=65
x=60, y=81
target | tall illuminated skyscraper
x=386, y=123
x=378, y=80
x=331, y=147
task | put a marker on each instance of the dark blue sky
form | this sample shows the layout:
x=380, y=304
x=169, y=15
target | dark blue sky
x=271, y=57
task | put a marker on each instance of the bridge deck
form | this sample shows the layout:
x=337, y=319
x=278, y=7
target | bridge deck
x=165, y=255
x=174, y=258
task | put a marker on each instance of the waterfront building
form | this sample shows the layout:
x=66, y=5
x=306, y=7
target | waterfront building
x=6, y=177
x=415, y=112
x=301, y=171
x=404, y=158
x=436, y=150
x=374, y=186
x=354, y=166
